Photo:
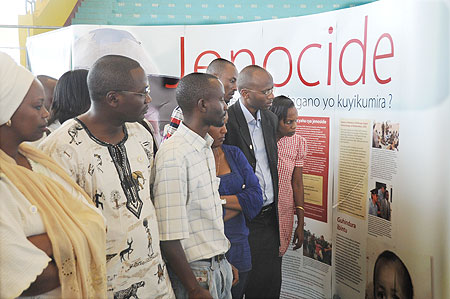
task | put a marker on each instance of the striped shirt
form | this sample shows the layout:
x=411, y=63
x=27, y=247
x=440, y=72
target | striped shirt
x=175, y=119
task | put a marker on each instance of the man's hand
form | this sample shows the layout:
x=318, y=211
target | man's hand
x=235, y=275
x=176, y=258
x=298, y=237
x=199, y=293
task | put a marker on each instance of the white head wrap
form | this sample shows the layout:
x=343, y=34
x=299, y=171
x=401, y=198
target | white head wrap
x=15, y=81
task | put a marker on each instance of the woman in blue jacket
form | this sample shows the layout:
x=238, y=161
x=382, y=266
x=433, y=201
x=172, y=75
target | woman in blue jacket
x=242, y=200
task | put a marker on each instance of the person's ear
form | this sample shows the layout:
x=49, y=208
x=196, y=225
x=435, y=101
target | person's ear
x=244, y=94
x=202, y=105
x=111, y=99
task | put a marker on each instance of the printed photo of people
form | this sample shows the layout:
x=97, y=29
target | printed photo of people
x=380, y=201
x=317, y=247
x=385, y=135
x=394, y=273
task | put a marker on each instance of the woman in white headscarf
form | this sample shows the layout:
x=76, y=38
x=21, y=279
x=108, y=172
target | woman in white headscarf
x=52, y=241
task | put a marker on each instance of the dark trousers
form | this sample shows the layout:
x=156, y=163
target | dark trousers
x=237, y=292
x=264, y=280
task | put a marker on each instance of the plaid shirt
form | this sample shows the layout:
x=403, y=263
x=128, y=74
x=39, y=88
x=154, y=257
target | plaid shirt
x=291, y=154
x=186, y=195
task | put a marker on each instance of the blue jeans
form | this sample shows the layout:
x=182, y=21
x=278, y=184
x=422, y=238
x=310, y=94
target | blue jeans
x=211, y=275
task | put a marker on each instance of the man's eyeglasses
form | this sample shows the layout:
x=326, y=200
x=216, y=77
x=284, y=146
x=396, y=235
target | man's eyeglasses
x=142, y=94
x=264, y=92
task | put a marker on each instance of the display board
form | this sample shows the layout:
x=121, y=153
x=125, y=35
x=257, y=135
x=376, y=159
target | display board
x=371, y=85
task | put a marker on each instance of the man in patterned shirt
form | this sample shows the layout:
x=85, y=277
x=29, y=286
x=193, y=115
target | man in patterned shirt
x=227, y=74
x=110, y=156
x=186, y=194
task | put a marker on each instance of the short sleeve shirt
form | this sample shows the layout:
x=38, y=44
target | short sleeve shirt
x=117, y=179
x=291, y=154
x=186, y=195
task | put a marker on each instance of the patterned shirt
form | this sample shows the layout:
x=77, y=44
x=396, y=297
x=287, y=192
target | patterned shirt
x=175, y=119
x=291, y=154
x=186, y=192
x=117, y=177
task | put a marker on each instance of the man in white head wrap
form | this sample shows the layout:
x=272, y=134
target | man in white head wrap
x=15, y=81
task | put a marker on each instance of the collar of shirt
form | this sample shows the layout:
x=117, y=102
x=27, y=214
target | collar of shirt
x=193, y=138
x=248, y=116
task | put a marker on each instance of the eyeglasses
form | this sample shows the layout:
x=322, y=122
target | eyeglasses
x=264, y=92
x=142, y=94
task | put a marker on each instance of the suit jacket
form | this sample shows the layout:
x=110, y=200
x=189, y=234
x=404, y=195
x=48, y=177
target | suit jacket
x=239, y=135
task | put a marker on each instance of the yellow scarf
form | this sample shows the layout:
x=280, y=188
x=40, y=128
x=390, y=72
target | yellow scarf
x=77, y=233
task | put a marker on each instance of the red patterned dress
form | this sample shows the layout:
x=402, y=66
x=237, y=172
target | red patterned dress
x=291, y=154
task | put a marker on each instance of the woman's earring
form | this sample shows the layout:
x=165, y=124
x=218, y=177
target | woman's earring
x=8, y=123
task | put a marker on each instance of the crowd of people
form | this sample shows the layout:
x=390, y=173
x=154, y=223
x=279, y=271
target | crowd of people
x=317, y=248
x=95, y=207
x=386, y=137
x=379, y=204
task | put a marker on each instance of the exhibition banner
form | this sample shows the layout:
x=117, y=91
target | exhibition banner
x=371, y=85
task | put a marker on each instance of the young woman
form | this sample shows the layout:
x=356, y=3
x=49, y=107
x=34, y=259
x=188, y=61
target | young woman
x=291, y=153
x=70, y=98
x=52, y=241
x=242, y=200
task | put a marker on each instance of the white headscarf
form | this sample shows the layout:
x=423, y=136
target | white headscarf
x=15, y=81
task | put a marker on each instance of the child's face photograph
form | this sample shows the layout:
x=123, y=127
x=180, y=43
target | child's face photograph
x=390, y=281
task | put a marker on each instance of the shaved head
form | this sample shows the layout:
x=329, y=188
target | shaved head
x=191, y=88
x=217, y=66
x=111, y=72
x=248, y=77
x=255, y=86
x=200, y=97
x=45, y=78
x=49, y=84
x=227, y=74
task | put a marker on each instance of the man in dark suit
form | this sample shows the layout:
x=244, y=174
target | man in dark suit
x=252, y=128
